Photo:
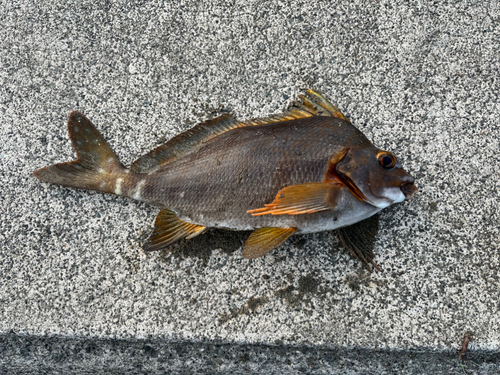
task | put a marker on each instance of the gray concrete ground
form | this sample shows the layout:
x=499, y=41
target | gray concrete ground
x=35, y=355
x=418, y=78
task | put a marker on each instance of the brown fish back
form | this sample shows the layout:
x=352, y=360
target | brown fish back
x=308, y=105
x=184, y=143
x=244, y=168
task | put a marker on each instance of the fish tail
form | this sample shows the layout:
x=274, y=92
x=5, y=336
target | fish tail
x=96, y=167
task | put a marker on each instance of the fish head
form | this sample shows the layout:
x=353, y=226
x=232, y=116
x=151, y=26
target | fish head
x=374, y=176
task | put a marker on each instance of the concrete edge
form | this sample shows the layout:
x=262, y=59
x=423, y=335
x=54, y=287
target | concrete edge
x=24, y=354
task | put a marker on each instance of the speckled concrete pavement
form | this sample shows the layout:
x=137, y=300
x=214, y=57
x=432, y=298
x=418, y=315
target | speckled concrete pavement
x=418, y=78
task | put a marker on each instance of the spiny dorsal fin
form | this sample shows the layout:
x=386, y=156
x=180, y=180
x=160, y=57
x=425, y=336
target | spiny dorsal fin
x=184, y=143
x=308, y=105
x=264, y=240
x=316, y=103
x=169, y=229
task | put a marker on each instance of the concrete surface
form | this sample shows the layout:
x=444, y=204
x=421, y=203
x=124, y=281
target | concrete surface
x=418, y=78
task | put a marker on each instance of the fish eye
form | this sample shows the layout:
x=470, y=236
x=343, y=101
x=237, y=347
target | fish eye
x=387, y=160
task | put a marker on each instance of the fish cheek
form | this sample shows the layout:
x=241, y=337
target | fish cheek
x=354, y=167
x=378, y=182
x=357, y=172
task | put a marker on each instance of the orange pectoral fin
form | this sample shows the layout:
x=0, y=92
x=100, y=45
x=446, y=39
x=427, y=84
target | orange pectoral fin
x=302, y=199
x=264, y=240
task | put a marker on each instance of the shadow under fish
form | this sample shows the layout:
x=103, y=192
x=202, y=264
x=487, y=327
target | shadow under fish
x=358, y=238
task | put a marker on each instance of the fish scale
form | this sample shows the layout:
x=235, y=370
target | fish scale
x=254, y=161
x=258, y=160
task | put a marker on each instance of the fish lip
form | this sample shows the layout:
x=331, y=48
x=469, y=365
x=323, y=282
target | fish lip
x=408, y=188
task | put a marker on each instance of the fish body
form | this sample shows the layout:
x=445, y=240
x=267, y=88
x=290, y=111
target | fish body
x=246, y=167
x=305, y=171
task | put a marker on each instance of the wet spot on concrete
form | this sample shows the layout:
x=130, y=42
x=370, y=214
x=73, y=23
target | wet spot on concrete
x=362, y=280
x=433, y=206
x=308, y=286
x=250, y=307
x=288, y=295
x=298, y=241
x=254, y=303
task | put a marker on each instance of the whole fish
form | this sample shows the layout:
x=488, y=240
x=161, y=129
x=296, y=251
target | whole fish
x=303, y=171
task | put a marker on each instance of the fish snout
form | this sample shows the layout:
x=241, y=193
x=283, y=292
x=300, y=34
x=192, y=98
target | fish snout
x=408, y=188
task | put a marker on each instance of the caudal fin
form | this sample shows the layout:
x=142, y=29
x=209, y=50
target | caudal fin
x=96, y=168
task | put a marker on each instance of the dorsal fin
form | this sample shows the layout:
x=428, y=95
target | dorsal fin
x=184, y=143
x=308, y=105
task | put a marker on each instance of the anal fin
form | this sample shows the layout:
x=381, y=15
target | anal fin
x=264, y=240
x=359, y=239
x=169, y=229
x=302, y=199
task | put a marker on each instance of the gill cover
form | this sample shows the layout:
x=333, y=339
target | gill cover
x=375, y=176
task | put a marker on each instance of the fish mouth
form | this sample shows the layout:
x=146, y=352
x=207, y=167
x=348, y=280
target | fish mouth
x=408, y=188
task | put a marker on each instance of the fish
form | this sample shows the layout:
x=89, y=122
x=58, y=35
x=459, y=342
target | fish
x=305, y=170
